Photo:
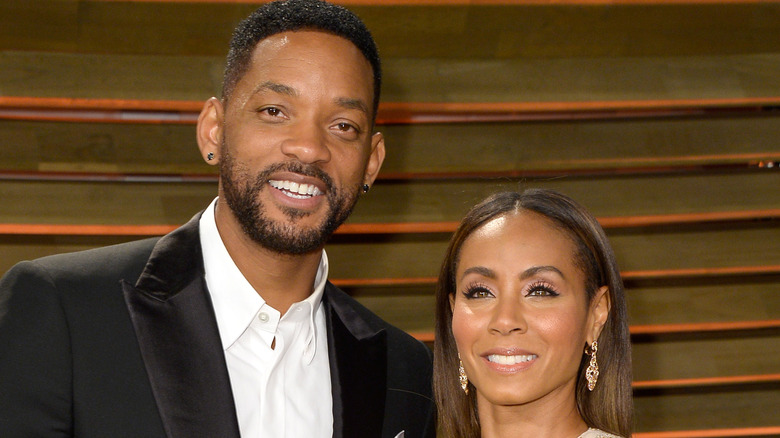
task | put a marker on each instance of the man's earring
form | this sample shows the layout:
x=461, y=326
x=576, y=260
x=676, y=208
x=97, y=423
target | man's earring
x=464, y=379
x=592, y=373
x=210, y=156
x=366, y=188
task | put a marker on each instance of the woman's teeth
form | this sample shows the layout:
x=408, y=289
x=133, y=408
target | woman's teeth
x=510, y=360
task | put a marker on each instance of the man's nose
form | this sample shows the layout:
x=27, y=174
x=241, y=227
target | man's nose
x=307, y=143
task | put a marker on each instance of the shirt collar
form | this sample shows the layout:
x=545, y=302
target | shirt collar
x=235, y=301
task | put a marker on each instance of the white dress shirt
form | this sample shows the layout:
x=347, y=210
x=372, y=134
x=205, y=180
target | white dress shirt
x=283, y=391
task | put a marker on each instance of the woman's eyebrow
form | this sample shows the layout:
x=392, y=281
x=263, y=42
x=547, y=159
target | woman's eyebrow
x=481, y=270
x=530, y=272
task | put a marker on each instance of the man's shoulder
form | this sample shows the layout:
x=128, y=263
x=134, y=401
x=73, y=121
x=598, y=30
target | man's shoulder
x=124, y=260
x=103, y=261
x=77, y=272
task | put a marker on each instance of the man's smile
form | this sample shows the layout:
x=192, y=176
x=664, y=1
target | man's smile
x=295, y=190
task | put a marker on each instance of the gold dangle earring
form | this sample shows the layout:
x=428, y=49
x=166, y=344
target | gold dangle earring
x=592, y=373
x=464, y=380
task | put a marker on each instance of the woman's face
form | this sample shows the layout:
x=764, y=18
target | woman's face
x=521, y=317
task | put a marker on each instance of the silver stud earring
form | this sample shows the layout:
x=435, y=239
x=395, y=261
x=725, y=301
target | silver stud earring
x=366, y=188
x=210, y=156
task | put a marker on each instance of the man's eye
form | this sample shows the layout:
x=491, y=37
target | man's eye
x=273, y=111
x=345, y=127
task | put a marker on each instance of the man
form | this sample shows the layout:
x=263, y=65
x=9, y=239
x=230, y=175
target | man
x=227, y=326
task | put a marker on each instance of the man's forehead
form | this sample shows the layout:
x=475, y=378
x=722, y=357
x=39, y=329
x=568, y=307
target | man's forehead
x=269, y=67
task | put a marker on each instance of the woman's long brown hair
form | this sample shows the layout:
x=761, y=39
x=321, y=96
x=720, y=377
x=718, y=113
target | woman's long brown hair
x=609, y=407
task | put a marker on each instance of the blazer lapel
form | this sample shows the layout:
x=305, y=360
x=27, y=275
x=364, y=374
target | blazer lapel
x=179, y=340
x=358, y=368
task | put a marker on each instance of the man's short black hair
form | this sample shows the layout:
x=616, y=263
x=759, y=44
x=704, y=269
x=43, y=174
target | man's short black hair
x=293, y=15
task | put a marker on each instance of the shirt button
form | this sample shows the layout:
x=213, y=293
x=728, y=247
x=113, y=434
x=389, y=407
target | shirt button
x=263, y=317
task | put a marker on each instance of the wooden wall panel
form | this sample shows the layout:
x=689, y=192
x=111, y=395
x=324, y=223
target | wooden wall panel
x=737, y=246
x=696, y=160
x=706, y=356
x=394, y=201
x=411, y=309
x=389, y=201
x=471, y=147
x=720, y=408
x=584, y=144
x=474, y=31
x=103, y=203
x=722, y=299
x=175, y=77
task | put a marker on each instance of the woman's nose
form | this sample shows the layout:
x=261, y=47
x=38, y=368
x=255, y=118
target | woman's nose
x=508, y=317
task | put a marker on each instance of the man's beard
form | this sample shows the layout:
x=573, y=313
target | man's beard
x=242, y=190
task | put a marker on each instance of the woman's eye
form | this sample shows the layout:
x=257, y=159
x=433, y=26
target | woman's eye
x=541, y=291
x=477, y=292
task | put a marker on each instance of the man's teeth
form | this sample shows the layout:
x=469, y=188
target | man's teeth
x=293, y=188
x=510, y=360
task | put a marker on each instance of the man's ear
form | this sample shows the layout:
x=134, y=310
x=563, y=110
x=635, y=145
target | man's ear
x=599, y=312
x=209, y=130
x=376, y=158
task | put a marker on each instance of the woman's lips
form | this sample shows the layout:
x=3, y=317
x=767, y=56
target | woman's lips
x=508, y=360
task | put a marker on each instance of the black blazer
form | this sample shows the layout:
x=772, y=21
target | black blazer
x=122, y=341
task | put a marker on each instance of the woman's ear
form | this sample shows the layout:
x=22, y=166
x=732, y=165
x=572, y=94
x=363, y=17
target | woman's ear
x=599, y=312
x=209, y=130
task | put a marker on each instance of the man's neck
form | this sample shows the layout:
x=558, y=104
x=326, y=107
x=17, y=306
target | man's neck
x=280, y=279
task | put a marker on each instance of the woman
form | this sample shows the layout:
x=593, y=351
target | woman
x=531, y=325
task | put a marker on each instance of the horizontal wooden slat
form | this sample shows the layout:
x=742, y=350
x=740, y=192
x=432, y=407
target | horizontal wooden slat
x=622, y=167
x=627, y=275
x=710, y=412
x=666, y=329
x=172, y=112
x=721, y=326
x=108, y=151
x=395, y=228
x=700, y=272
x=471, y=2
x=428, y=201
x=771, y=431
x=706, y=381
x=663, y=253
x=111, y=203
x=428, y=79
x=551, y=28
x=625, y=167
x=682, y=193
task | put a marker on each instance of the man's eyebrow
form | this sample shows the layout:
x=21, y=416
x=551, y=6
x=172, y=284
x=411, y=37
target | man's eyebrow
x=276, y=88
x=349, y=103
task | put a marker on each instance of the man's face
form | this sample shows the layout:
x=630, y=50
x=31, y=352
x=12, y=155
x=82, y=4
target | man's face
x=297, y=143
